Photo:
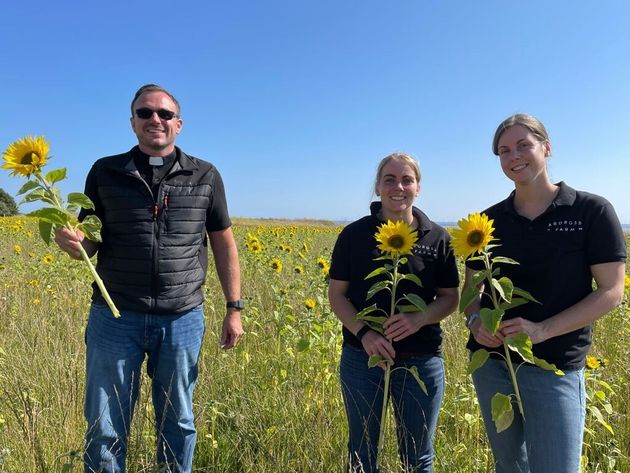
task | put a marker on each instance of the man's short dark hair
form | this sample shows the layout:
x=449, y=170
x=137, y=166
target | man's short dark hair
x=154, y=88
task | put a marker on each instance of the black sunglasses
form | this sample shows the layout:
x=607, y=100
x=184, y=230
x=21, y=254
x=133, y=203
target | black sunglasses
x=146, y=113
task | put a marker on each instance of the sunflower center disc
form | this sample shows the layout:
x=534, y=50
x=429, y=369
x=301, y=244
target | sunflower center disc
x=28, y=158
x=396, y=241
x=475, y=238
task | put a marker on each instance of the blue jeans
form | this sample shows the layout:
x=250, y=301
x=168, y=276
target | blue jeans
x=116, y=348
x=549, y=439
x=416, y=413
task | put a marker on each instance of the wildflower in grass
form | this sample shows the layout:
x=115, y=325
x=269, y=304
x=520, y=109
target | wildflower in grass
x=36, y=301
x=396, y=238
x=26, y=156
x=47, y=259
x=473, y=235
x=592, y=363
x=298, y=270
x=17, y=249
x=310, y=303
x=276, y=265
x=254, y=246
x=34, y=282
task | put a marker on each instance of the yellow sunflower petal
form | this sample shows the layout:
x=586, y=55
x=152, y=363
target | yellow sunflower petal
x=26, y=155
x=473, y=235
x=395, y=239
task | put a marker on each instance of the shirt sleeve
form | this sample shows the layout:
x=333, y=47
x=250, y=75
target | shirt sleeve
x=217, y=216
x=605, y=242
x=448, y=275
x=340, y=260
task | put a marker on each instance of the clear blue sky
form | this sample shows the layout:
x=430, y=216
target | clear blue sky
x=296, y=101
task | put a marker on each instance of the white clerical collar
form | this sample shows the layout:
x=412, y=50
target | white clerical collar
x=156, y=160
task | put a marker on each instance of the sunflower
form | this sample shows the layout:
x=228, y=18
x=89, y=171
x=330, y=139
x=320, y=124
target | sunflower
x=254, y=246
x=592, y=363
x=276, y=265
x=298, y=270
x=626, y=281
x=396, y=238
x=47, y=259
x=322, y=262
x=310, y=303
x=26, y=155
x=473, y=234
x=17, y=249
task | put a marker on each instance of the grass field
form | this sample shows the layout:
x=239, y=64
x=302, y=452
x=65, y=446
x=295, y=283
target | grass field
x=271, y=405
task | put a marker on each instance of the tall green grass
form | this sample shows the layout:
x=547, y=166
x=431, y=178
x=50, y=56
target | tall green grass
x=273, y=404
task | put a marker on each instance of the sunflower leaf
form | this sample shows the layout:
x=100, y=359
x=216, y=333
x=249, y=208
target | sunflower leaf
x=37, y=194
x=56, y=175
x=416, y=301
x=81, y=200
x=524, y=294
x=504, y=260
x=45, y=230
x=491, y=319
x=547, y=366
x=504, y=287
x=377, y=287
x=374, y=360
x=50, y=214
x=405, y=309
x=27, y=187
x=515, y=302
x=521, y=344
x=414, y=372
x=502, y=412
x=413, y=278
x=477, y=360
x=91, y=226
x=469, y=295
x=376, y=272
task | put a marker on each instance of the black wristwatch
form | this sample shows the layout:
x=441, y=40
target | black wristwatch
x=238, y=304
x=471, y=319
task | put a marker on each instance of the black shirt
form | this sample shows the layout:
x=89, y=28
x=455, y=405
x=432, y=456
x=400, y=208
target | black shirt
x=432, y=260
x=555, y=252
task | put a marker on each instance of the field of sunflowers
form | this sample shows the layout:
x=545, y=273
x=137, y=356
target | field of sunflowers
x=271, y=405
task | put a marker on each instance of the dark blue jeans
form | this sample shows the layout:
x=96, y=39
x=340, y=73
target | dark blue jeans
x=116, y=349
x=416, y=413
x=549, y=439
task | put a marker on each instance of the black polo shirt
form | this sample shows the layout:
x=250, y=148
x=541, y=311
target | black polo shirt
x=432, y=261
x=555, y=252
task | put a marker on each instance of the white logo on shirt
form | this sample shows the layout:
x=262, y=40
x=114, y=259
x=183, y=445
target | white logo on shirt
x=565, y=226
x=425, y=250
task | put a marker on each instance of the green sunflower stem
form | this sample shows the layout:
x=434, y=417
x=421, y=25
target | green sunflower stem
x=99, y=283
x=388, y=367
x=508, y=362
x=381, y=434
x=508, y=359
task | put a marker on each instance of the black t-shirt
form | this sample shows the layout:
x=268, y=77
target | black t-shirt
x=555, y=252
x=432, y=261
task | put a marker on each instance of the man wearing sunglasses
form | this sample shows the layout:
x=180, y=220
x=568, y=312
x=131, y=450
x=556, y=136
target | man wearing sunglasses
x=159, y=207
